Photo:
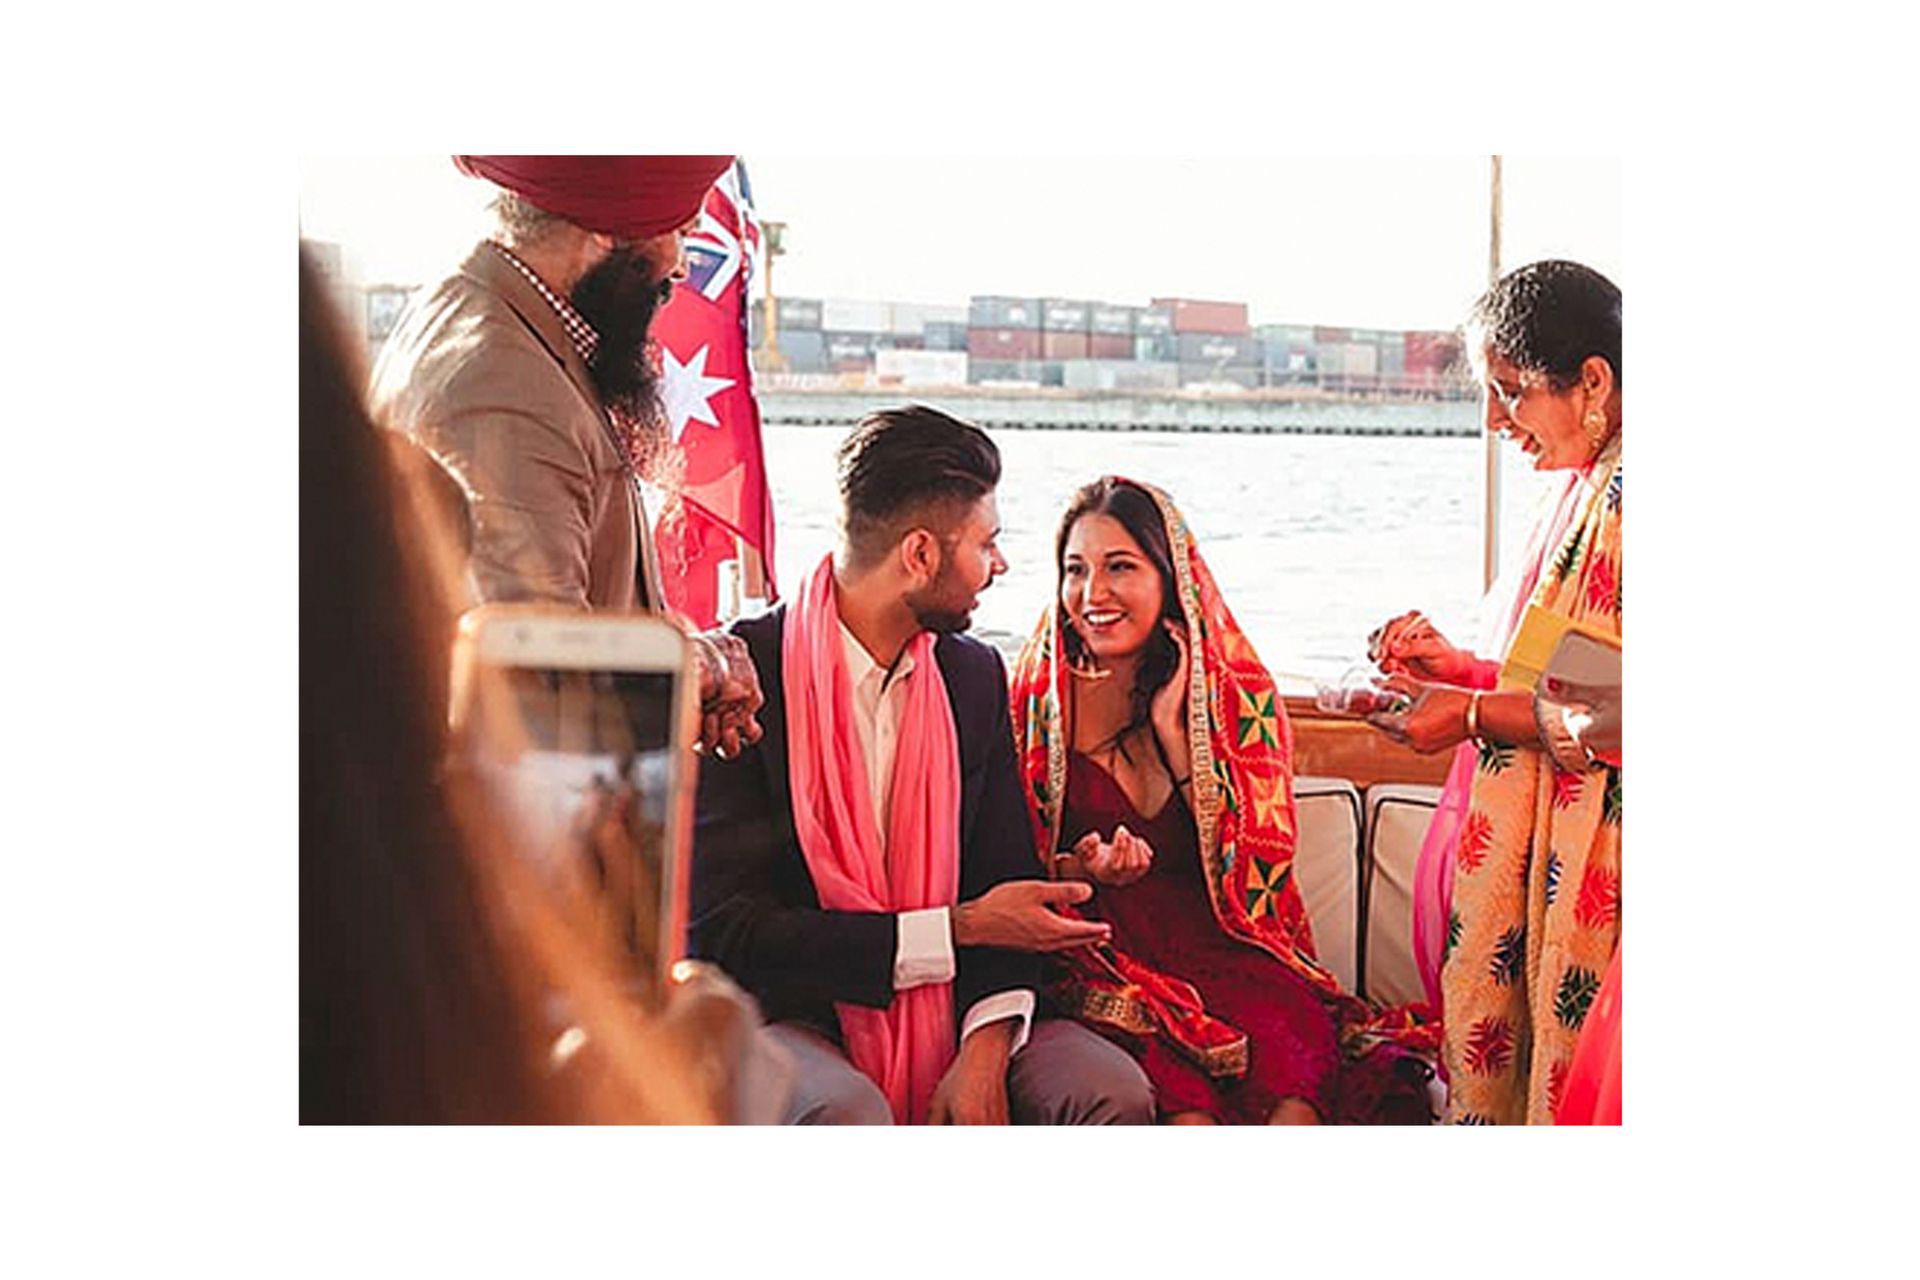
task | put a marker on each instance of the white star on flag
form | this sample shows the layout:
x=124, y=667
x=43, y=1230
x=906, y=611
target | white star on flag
x=687, y=391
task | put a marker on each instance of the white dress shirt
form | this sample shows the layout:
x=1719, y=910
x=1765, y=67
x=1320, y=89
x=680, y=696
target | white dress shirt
x=925, y=950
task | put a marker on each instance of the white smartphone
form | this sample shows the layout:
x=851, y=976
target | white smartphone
x=576, y=717
x=1580, y=664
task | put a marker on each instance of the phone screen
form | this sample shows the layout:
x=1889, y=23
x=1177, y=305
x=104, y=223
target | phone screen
x=587, y=760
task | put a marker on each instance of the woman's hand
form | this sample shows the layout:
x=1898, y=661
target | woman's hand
x=1169, y=709
x=1409, y=645
x=1436, y=721
x=1119, y=862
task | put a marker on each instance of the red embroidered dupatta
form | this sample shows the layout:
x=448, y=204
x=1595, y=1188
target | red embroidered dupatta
x=1242, y=752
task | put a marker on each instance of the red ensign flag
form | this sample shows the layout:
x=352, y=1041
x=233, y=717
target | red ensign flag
x=706, y=391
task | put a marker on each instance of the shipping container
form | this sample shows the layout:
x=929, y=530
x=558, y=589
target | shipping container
x=1064, y=346
x=805, y=349
x=1110, y=346
x=799, y=313
x=854, y=315
x=1288, y=358
x=912, y=317
x=1324, y=334
x=1220, y=348
x=851, y=365
x=1021, y=372
x=944, y=335
x=1289, y=335
x=1247, y=376
x=844, y=346
x=1362, y=358
x=1429, y=351
x=1150, y=321
x=994, y=312
x=1119, y=375
x=1191, y=315
x=1003, y=344
x=1110, y=320
x=921, y=368
x=1156, y=346
x=1061, y=315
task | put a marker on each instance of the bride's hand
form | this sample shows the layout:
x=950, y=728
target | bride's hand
x=1410, y=645
x=1169, y=710
x=1120, y=862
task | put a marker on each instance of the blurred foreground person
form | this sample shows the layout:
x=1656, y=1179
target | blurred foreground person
x=431, y=958
x=528, y=370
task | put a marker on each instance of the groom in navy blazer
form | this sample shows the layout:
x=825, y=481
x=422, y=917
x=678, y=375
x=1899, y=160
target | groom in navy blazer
x=917, y=546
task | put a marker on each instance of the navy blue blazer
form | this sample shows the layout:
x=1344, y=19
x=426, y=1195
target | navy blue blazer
x=755, y=911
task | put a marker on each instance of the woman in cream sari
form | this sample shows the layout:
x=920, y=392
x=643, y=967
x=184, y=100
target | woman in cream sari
x=1517, y=894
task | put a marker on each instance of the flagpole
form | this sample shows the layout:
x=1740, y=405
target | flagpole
x=1490, y=544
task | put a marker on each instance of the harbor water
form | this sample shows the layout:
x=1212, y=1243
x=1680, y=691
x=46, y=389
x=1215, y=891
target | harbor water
x=1315, y=540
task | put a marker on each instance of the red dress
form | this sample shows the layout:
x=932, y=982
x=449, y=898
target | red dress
x=1165, y=920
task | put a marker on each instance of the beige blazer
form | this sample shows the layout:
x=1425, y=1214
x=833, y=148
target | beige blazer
x=481, y=371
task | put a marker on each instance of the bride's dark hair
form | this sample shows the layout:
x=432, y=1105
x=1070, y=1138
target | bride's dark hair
x=1140, y=516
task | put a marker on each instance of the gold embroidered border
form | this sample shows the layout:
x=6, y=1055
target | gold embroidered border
x=1131, y=1014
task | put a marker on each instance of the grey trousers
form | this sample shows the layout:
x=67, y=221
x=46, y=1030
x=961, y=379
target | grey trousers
x=1064, y=1074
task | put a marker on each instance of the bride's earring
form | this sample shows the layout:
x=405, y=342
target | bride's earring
x=1084, y=667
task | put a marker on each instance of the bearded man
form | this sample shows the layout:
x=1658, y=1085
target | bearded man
x=527, y=372
x=867, y=870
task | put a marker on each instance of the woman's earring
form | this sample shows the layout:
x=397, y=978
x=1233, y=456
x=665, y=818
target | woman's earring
x=1084, y=667
x=1596, y=428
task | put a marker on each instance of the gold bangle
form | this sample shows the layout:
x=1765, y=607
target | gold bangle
x=1473, y=715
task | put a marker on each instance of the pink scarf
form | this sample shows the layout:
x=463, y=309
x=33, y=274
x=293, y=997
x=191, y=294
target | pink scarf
x=906, y=1047
x=1433, y=874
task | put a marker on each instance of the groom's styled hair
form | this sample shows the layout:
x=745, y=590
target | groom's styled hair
x=908, y=468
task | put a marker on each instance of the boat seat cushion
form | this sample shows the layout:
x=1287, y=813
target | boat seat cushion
x=1326, y=865
x=1397, y=818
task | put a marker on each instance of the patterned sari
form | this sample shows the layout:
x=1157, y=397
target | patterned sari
x=1242, y=754
x=1535, y=915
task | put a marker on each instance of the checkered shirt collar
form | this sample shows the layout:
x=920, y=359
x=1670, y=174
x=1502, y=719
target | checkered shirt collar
x=584, y=339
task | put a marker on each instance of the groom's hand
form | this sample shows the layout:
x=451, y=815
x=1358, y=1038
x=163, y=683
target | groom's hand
x=1019, y=915
x=974, y=1090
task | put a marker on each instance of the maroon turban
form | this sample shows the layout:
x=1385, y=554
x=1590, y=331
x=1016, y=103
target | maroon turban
x=631, y=197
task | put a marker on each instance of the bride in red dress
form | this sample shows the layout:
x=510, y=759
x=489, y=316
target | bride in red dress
x=1159, y=762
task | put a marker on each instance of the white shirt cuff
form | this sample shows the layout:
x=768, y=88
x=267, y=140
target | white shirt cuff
x=924, y=951
x=1001, y=1004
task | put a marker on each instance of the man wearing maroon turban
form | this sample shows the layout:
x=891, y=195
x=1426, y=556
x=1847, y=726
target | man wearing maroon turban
x=526, y=370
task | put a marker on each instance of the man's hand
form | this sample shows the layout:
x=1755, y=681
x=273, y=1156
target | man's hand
x=729, y=694
x=974, y=1090
x=1019, y=915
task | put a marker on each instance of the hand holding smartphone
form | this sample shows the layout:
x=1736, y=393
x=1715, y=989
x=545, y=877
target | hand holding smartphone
x=584, y=723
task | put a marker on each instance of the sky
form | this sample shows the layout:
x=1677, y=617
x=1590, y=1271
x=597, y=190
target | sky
x=1373, y=242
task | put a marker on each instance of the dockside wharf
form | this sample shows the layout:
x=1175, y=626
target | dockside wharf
x=1134, y=411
